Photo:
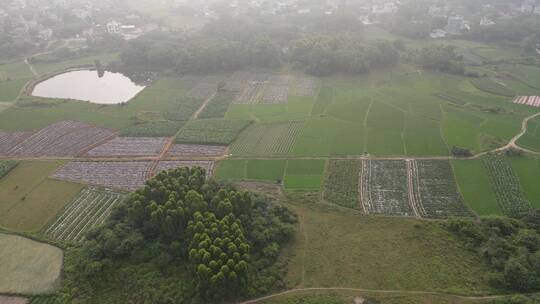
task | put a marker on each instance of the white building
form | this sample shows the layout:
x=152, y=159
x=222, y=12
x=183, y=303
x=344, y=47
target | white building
x=114, y=27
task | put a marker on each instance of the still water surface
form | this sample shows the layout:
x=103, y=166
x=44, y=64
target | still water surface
x=87, y=85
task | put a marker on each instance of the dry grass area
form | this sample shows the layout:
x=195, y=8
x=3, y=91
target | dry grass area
x=13, y=300
x=28, y=267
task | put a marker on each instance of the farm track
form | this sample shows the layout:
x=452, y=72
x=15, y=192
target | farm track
x=399, y=292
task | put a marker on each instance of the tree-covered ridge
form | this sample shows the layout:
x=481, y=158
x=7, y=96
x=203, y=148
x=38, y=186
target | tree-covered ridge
x=227, y=241
x=511, y=247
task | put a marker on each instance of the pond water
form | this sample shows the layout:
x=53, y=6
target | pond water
x=88, y=85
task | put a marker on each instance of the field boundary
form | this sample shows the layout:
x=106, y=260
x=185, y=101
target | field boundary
x=403, y=292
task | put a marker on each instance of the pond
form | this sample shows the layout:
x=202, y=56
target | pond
x=88, y=85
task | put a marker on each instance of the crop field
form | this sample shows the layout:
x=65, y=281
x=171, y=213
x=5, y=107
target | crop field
x=531, y=139
x=196, y=150
x=208, y=166
x=341, y=183
x=13, y=300
x=205, y=88
x=435, y=191
x=384, y=188
x=275, y=94
x=65, y=138
x=267, y=139
x=130, y=146
x=238, y=81
x=530, y=75
x=153, y=129
x=474, y=184
x=8, y=140
x=27, y=266
x=218, y=106
x=506, y=185
x=304, y=174
x=28, y=199
x=129, y=175
x=528, y=171
x=305, y=87
x=182, y=109
x=491, y=86
x=90, y=208
x=6, y=166
x=250, y=95
x=263, y=170
x=211, y=131
x=533, y=101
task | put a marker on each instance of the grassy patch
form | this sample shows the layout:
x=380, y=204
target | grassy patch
x=475, y=186
x=340, y=248
x=268, y=170
x=28, y=267
x=489, y=86
x=28, y=199
x=211, y=131
x=531, y=139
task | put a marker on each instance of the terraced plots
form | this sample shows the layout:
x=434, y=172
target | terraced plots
x=434, y=191
x=89, y=209
x=187, y=150
x=130, y=146
x=64, y=138
x=533, y=101
x=384, y=189
x=129, y=175
x=267, y=139
x=510, y=195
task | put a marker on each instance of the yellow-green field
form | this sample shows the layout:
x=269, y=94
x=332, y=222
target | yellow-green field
x=29, y=199
x=28, y=267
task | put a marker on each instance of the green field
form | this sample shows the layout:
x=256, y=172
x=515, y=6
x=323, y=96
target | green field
x=304, y=174
x=531, y=139
x=28, y=267
x=28, y=199
x=341, y=183
x=475, y=186
x=13, y=76
x=211, y=131
x=251, y=170
x=340, y=248
x=528, y=171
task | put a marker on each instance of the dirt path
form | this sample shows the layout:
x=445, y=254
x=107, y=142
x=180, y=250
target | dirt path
x=206, y=102
x=410, y=183
x=401, y=292
x=31, y=67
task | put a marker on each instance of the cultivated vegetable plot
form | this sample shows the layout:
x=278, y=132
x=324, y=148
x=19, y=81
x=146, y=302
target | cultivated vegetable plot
x=435, y=193
x=89, y=209
x=306, y=87
x=130, y=146
x=250, y=94
x=218, y=106
x=275, y=94
x=267, y=139
x=238, y=81
x=65, y=138
x=205, y=88
x=196, y=150
x=384, y=188
x=211, y=131
x=127, y=176
x=533, y=101
x=341, y=184
x=507, y=187
x=208, y=166
x=6, y=166
x=8, y=140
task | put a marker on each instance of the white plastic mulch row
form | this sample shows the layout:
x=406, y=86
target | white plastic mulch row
x=533, y=101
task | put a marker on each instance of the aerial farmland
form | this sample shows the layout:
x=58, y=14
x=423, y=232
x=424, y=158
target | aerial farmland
x=282, y=153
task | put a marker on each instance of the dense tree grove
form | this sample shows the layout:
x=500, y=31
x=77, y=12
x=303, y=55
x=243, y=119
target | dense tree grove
x=511, y=247
x=227, y=45
x=440, y=58
x=228, y=239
